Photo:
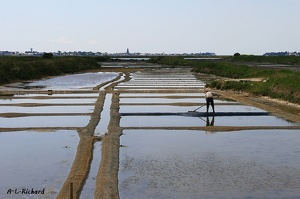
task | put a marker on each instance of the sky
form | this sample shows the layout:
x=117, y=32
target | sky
x=151, y=26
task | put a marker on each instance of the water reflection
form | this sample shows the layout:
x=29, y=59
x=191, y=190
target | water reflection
x=183, y=121
x=210, y=123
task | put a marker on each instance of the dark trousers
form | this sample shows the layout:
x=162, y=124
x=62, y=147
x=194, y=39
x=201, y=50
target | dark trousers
x=210, y=101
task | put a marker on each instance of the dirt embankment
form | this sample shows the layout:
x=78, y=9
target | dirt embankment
x=278, y=108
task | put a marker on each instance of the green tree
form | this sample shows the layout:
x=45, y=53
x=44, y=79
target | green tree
x=48, y=55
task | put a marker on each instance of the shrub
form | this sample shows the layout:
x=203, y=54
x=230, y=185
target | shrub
x=48, y=55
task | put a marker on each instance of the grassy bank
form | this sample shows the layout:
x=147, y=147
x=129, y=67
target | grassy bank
x=27, y=68
x=290, y=60
x=283, y=84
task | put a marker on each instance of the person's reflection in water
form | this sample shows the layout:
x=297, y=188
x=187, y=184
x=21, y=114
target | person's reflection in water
x=208, y=123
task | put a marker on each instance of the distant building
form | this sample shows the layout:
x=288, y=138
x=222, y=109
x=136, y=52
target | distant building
x=127, y=52
x=286, y=53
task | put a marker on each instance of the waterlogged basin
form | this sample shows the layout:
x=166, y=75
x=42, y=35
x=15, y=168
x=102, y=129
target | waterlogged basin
x=50, y=101
x=167, y=100
x=76, y=81
x=44, y=121
x=186, y=121
x=160, y=100
x=36, y=160
x=87, y=95
x=90, y=184
x=174, y=109
x=154, y=109
x=102, y=126
x=47, y=109
x=159, y=94
x=195, y=164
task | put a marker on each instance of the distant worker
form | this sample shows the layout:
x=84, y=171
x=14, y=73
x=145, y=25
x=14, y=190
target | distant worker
x=209, y=100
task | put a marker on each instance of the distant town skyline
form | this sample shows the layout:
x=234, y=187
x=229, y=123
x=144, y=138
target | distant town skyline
x=222, y=27
x=90, y=53
x=31, y=52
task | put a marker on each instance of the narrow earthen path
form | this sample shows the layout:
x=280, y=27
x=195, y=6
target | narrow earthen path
x=81, y=165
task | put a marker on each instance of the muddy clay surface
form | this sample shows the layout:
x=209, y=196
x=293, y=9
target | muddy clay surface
x=156, y=157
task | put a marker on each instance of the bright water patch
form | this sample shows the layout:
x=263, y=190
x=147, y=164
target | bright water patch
x=182, y=109
x=155, y=109
x=185, y=121
x=90, y=184
x=50, y=101
x=102, y=126
x=36, y=160
x=44, y=121
x=76, y=81
x=161, y=100
x=57, y=95
x=146, y=87
x=160, y=94
x=167, y=100
x=158, y=121
x=195, y=164
x=252, y=121
x=122, y=77
x=47, y=109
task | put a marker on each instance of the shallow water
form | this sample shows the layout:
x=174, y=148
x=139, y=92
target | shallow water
x=160, y=100
x=49, y=101
x=36, y=160
x=44, y=121
x=166, y=100
x=91, y=95
x=185, y=121
x=90, y=184
x=180, y=109
x=194, y=164
x=76, y=81
x=47, y=109
x=166, y=78
x=102, y=126
x=159, y=94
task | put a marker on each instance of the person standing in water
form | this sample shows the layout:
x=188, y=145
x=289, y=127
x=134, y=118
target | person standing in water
x=209, y=100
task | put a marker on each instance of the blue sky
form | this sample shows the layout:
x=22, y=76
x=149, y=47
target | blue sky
x=151, y=26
